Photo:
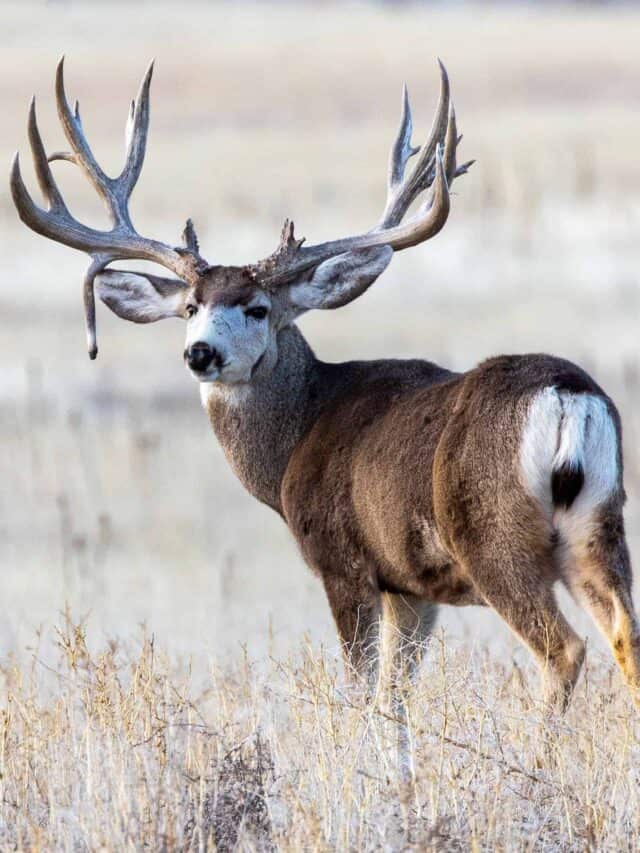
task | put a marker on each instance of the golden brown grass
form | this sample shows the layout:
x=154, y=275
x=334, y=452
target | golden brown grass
x=115, y=499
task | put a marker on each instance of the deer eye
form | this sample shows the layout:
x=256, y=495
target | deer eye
x=257, y=313
x=191, y=310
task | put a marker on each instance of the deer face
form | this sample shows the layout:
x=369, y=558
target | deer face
x=231, y=321
x=231, y=327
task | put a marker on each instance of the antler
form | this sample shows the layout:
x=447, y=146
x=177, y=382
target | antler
x=56, y=222
x=434, y=169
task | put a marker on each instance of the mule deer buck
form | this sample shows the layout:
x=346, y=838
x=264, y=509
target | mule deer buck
x=405, y=485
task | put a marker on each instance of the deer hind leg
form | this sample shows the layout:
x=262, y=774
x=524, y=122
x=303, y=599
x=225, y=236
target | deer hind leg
x=597, y=570
x=519, y=587
x=406, y=624
x=592, y=552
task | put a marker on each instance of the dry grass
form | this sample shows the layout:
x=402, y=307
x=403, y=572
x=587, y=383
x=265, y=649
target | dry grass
x=116, y=501
x=122, y=750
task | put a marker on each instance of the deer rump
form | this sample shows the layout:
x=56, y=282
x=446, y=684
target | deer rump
x=396, y=482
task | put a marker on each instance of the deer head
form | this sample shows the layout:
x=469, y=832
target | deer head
x=233, y=314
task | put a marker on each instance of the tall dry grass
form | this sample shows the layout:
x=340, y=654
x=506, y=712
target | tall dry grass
x=122, y=749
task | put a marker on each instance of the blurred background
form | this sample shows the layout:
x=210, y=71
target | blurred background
x=114, y=497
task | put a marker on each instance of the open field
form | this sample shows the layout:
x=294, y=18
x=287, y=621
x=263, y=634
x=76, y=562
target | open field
x=116, y=501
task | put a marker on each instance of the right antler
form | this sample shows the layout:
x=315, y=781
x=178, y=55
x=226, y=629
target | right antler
x=122, y=241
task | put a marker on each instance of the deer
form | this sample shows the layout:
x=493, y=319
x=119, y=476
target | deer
x=406, y=485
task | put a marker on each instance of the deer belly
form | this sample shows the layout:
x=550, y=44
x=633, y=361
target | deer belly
x=424, y=568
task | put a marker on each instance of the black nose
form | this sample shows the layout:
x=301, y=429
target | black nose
x=200, y=355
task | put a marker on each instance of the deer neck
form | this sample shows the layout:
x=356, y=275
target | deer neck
x=259, y=424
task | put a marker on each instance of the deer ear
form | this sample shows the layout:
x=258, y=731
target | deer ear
x=141, y=298
x=341, y=279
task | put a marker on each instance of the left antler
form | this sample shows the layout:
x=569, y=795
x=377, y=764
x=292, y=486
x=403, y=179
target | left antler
x=434, y=170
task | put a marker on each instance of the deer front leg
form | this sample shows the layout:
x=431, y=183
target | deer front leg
x=357, y=610
x=407, y=623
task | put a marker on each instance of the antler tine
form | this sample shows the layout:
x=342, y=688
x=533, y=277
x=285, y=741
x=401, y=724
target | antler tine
x=136, y=136
x=29, y=212
x=43, y=171
x=402, y=148
x=450, y=145
x=89, y=300
x=190, y=238
x=83, y=155
x=451, y=142
x=438, y=129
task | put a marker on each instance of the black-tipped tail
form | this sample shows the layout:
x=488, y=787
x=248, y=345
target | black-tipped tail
x=566, y=482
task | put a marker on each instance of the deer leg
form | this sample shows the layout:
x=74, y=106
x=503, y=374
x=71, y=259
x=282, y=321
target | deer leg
x=407, y=623
x=597, y=570
x=520, y=589
x=357, y=611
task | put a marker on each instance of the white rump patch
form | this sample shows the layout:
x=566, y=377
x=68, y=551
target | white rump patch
x=575, y=410
x=575, y=430
x=540, y=445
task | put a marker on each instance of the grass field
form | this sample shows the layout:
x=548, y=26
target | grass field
x=190, y=690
